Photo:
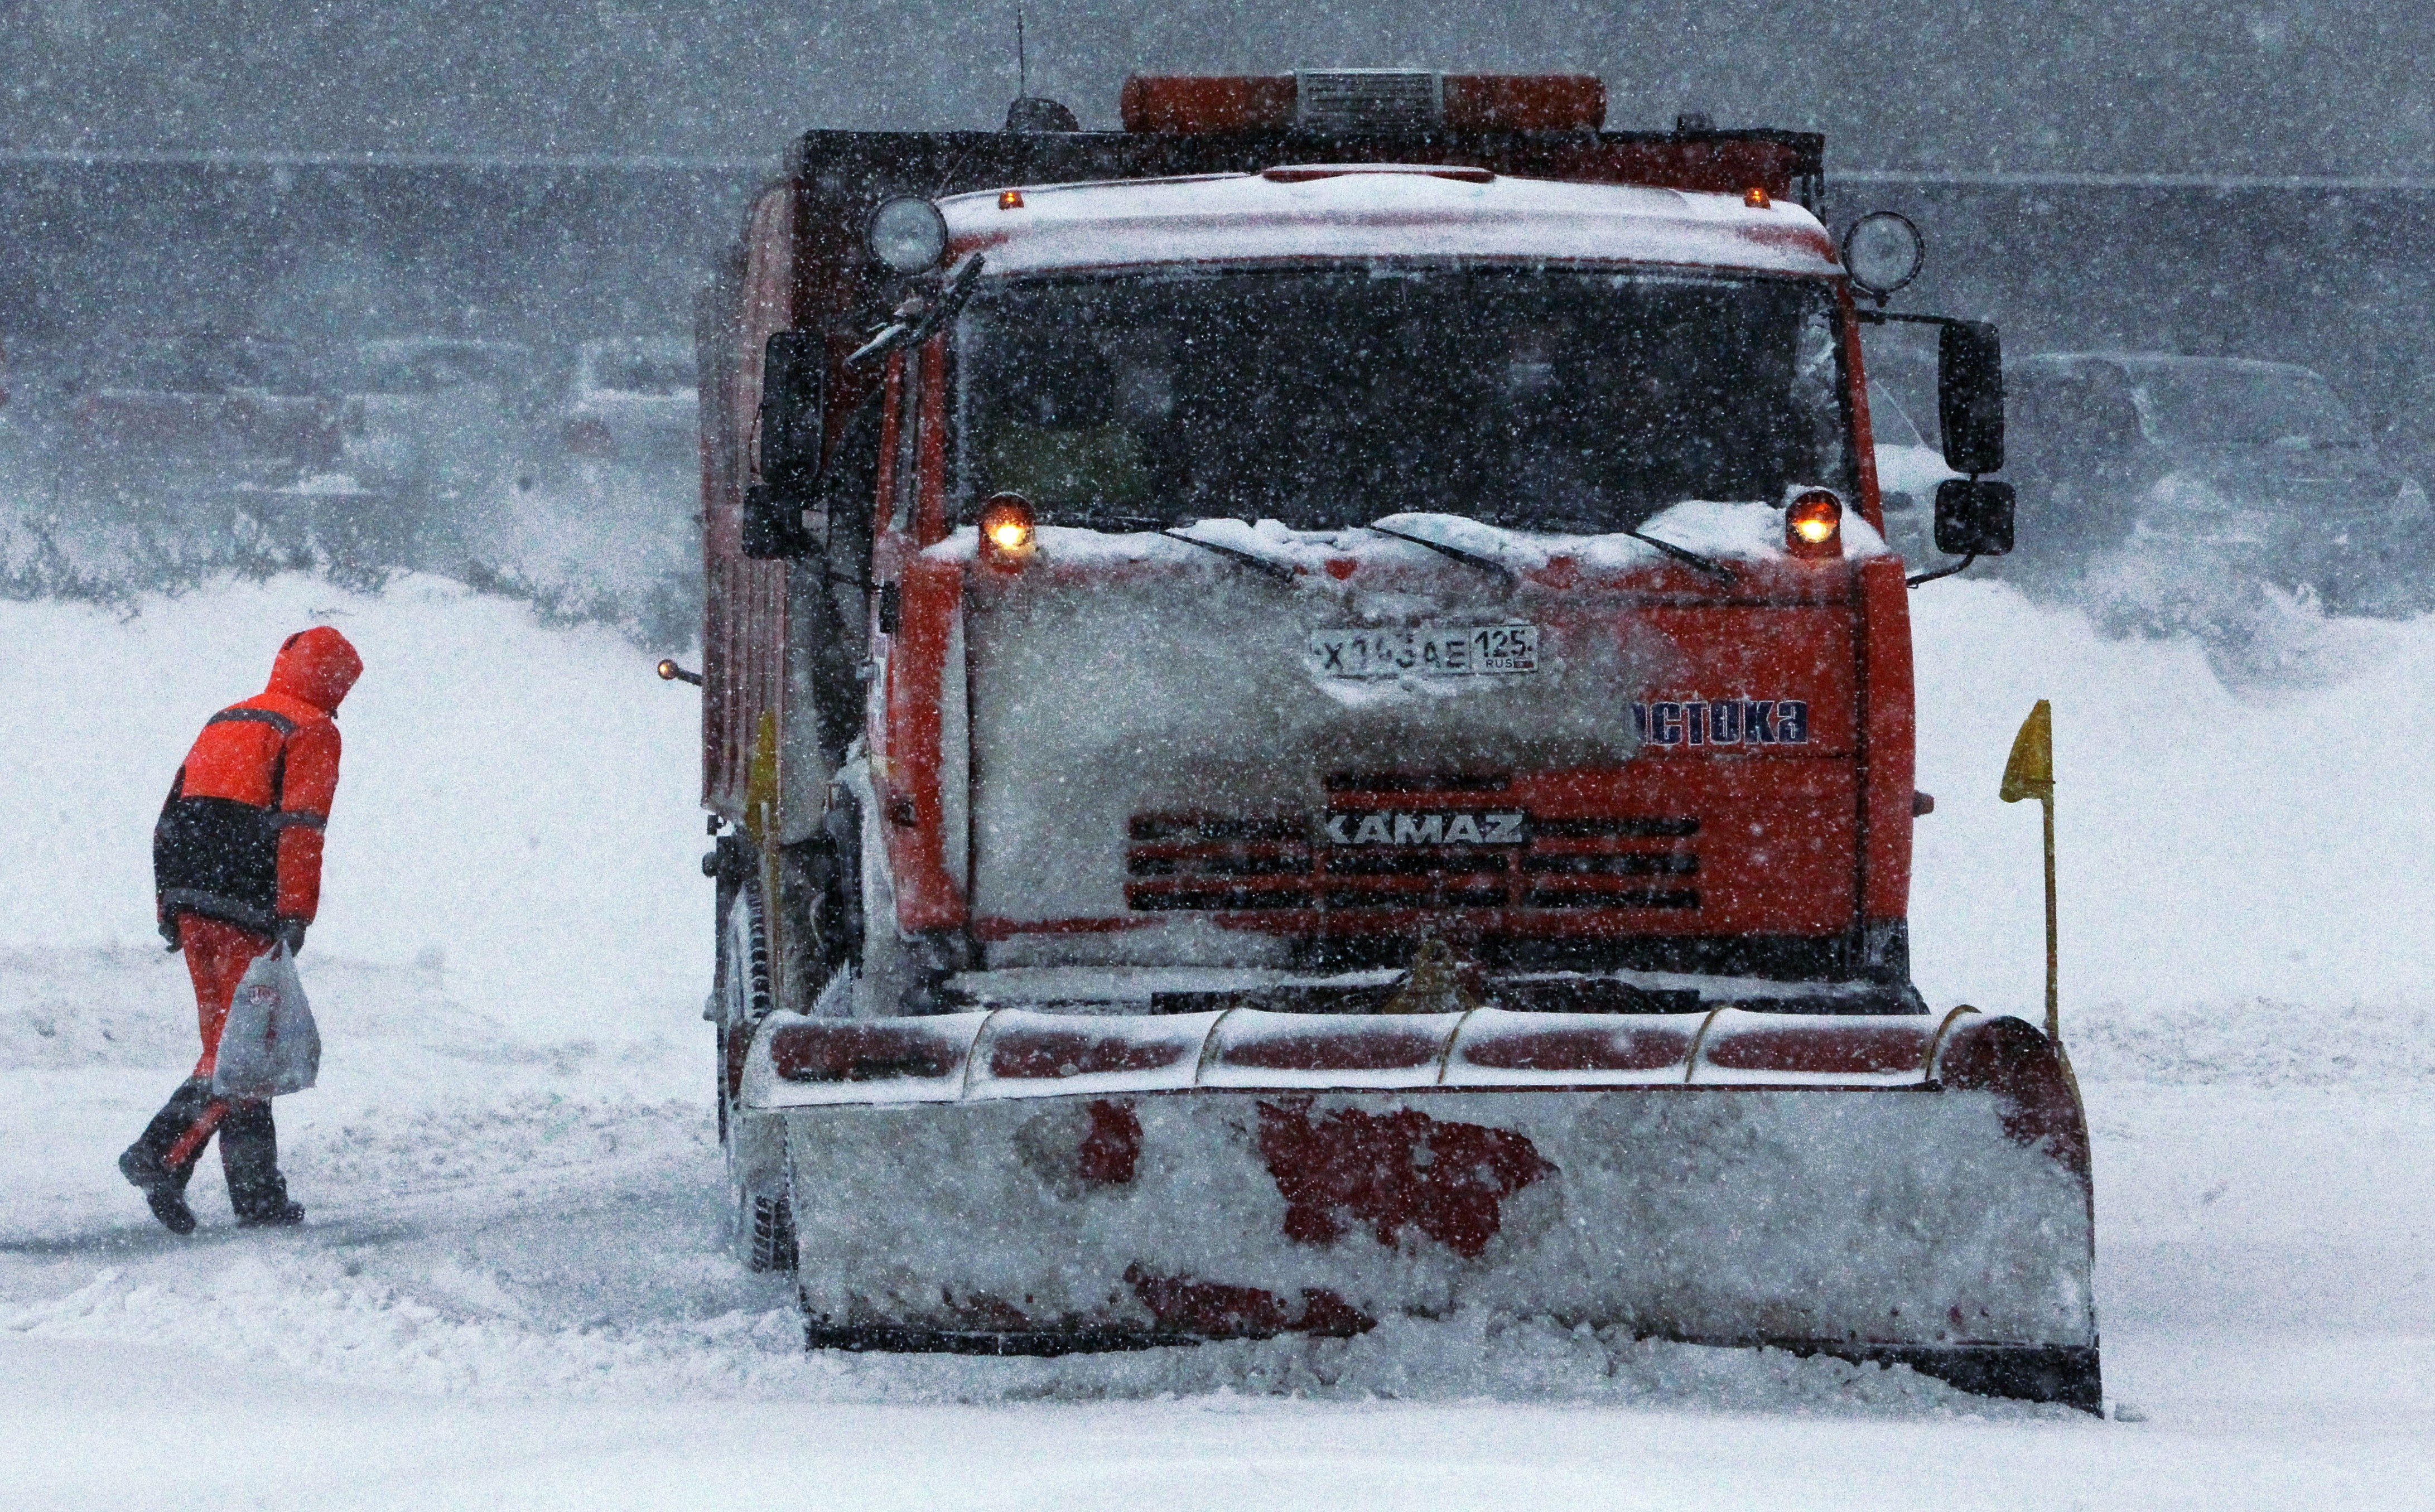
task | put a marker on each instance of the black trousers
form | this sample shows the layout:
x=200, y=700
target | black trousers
x=172, y=1145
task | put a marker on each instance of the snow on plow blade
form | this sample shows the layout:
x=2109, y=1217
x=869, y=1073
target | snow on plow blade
x=1879, y=1188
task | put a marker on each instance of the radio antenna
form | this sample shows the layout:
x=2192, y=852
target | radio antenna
x=1027, y=114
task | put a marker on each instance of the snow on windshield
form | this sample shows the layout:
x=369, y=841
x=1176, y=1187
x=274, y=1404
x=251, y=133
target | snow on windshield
x=1553, y=401
x=2205, y=404
x=1888, y=425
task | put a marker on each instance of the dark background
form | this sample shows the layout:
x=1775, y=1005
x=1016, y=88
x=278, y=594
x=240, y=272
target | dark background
x=2253, y=180
x=2165, y=86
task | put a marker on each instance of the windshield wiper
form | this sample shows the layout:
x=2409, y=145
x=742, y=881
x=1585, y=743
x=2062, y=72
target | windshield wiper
x=911, y=327
x=1175, y=532
x=1105, y=523
x=1683, y=554
x=1469, y=559
x=1252, y=559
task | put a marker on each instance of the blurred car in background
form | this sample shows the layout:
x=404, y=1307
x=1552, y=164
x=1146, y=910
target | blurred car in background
x=2228, y=465
x=17, y=469
x=602, y=515
x=633, y=401
x=429, y=420
x=200, y=412
x=2407, y=434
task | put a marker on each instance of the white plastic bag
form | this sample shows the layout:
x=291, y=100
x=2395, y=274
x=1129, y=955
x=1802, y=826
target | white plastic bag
x=269, y=1047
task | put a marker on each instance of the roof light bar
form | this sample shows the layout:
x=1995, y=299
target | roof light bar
x=1525, y=102
x=1357, y=100
x=1368, y=99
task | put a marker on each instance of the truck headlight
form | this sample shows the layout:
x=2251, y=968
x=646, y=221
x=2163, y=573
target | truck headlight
x=906, y=234
x=1008, y=534
x=1813, y=528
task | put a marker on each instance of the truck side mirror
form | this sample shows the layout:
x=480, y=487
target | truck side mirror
x=794, y=371
x=1974, y=517
x=1970, y=395
x=771, y=528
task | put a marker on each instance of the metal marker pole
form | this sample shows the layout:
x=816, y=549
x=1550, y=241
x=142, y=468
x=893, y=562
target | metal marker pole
x=2054, y=1011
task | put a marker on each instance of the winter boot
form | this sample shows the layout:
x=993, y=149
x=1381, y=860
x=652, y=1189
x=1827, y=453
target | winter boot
x=249, y=1155
x=162, y=1191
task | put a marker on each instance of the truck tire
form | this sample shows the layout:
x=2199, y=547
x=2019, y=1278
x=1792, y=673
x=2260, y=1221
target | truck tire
x=768, y=1238
x=761, y=1217
x=725, y=869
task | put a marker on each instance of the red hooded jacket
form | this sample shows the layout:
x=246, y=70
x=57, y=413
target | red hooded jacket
x=240, y=836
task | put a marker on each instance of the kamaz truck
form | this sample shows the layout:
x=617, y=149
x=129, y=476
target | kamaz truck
x=1308, y=723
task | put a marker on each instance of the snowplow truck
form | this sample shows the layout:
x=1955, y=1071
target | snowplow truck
x=1308, y=723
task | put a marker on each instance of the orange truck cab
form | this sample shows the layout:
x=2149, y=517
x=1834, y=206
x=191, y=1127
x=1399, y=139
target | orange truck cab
x=1429, y=470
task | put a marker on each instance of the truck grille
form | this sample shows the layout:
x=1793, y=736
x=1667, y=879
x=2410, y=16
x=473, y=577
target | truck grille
x=1202, y=862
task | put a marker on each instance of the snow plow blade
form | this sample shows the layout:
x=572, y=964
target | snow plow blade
x=1893, y=1189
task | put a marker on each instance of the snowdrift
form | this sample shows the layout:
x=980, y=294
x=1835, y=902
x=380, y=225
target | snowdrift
x=512, y=1176
x=519, y=805
x=516, y=811
x=2237, y=820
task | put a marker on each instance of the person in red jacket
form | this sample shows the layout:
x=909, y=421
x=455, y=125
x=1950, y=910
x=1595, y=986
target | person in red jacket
x=236, y=869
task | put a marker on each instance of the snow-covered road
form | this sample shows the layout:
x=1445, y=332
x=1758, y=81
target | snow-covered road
x=571, y=1335
x=513, y=1290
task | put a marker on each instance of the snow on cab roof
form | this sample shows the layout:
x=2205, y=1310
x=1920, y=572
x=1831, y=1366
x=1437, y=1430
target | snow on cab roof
x=1368, y=211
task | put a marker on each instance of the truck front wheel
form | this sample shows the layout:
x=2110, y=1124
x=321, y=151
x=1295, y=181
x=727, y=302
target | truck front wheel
x=761, y=1219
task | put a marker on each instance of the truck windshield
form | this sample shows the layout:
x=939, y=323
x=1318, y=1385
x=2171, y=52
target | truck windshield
x=1534, y=400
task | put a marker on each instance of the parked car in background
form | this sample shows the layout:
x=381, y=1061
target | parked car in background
x=633, y=401
x=429, y=421
x=603, y=516
x=2228, y=465
x=2408, y=437
x=200, y=412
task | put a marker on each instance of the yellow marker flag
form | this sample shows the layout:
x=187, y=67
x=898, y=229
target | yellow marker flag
x=2031, y=772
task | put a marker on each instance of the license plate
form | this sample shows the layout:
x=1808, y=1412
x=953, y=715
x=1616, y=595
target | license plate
x=1428, y=652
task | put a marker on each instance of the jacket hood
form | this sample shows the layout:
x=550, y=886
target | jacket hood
x=317, y=666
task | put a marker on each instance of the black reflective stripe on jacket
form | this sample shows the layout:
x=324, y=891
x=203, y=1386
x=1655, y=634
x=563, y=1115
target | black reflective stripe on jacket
x=218, y=857
x=286, y=726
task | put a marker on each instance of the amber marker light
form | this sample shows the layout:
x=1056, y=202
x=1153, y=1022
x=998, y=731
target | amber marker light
x=1009, y=199
x=1756, y=197
x=1813, y=528
x=1009, y=536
